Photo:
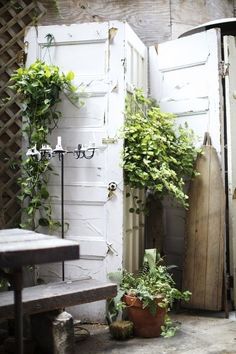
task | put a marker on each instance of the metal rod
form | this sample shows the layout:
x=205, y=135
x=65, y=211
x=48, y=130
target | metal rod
x=18, y=285
x=62, y=208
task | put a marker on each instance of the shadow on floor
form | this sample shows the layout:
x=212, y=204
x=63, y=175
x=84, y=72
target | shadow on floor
x=199, y=333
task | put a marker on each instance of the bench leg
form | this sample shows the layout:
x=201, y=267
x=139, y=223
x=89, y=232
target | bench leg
x=53, y=332
x=18, y=285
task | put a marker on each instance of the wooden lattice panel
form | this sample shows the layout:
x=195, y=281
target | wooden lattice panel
x=15, y=15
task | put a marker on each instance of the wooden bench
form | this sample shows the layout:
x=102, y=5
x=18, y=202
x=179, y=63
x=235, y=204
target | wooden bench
x=53, y=296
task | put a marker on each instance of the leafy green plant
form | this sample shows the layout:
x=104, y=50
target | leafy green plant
x=39, y=87
x=158, y=155
x=152, y=283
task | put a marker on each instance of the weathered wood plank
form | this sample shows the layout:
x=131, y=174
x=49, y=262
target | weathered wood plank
x=52, y=296
x=211, y=10
x=22, y=247
x=201, y=232
x=230, y=103
x=188, y=14
x=150, y=19
x=189, y=253
x=204, y=254
x=215, y=241
x=154, y=21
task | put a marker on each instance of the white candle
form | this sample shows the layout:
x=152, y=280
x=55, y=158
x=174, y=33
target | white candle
x=59, y=141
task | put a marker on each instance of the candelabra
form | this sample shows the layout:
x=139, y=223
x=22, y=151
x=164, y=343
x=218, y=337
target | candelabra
x=47, y=153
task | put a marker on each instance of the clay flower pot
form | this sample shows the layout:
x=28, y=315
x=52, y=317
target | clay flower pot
x=145, y=324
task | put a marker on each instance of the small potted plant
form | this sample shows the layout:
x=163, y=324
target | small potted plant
x=148, y=296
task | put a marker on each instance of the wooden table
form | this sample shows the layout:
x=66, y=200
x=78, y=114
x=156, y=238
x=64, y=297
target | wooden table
x=19, y=248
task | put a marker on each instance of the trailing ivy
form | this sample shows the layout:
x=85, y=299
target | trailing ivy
x=39, y=87
x=158, y=155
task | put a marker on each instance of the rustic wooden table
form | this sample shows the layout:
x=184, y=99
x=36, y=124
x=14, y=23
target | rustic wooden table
x=19, y=248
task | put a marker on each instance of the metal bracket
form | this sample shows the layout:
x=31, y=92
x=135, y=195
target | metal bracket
x=109, y=140
x=223, y=69
x=111, y=249
x=112, y=33
x=229, y=281
x=234, y=194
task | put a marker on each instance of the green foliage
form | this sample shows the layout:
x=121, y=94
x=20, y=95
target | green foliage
x=39, y=87
x=169, y=329
x=153, y=285
x=158, y=154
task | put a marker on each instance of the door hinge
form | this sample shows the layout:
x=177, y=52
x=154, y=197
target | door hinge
x=109, y=140
x=111, y=249
x=229, y=281
x=112, y=33
x=223, y=69
x=124, y=63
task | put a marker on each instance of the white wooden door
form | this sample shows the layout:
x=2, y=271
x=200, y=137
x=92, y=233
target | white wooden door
x=185, y=79
x=230, y=99
x=135, y=77
x=108, y=59
x=96, y=54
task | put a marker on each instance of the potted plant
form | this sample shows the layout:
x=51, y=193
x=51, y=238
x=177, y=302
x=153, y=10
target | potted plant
x=148, y=296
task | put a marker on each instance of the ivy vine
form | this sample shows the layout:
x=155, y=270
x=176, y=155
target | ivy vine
x=158, y=154
x=39, y=87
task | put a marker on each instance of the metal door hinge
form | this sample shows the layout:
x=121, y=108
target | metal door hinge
x=109, y=140
x=223, y=69
x=229, y=281
x=234, y=194
x=112, y=33
x=111, y=249
x=21, y=58
x=124, y=63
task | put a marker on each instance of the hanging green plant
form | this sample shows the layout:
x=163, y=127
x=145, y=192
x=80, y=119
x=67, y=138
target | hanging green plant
x=39, y=87
x=158, y=155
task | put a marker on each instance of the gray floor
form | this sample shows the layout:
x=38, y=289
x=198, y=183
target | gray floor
x=198, y=334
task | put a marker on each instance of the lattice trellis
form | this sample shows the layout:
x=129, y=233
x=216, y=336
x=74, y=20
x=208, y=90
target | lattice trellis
x=15, y=15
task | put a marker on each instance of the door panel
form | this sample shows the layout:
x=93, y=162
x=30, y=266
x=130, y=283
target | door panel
x=93, y=219
x=230, y=99
x=106, y=58
x=185, y=80
x=136, y=77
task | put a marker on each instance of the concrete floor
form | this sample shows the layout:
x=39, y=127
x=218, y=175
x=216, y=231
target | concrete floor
x=198, y=334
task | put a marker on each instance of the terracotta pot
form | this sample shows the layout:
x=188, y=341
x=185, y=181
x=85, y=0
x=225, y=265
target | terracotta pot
x=145, y=324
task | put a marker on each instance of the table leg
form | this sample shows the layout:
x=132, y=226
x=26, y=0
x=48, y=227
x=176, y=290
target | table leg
x=18, y=285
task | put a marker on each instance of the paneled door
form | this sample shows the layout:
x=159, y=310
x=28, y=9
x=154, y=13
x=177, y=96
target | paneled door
x=95, y=52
